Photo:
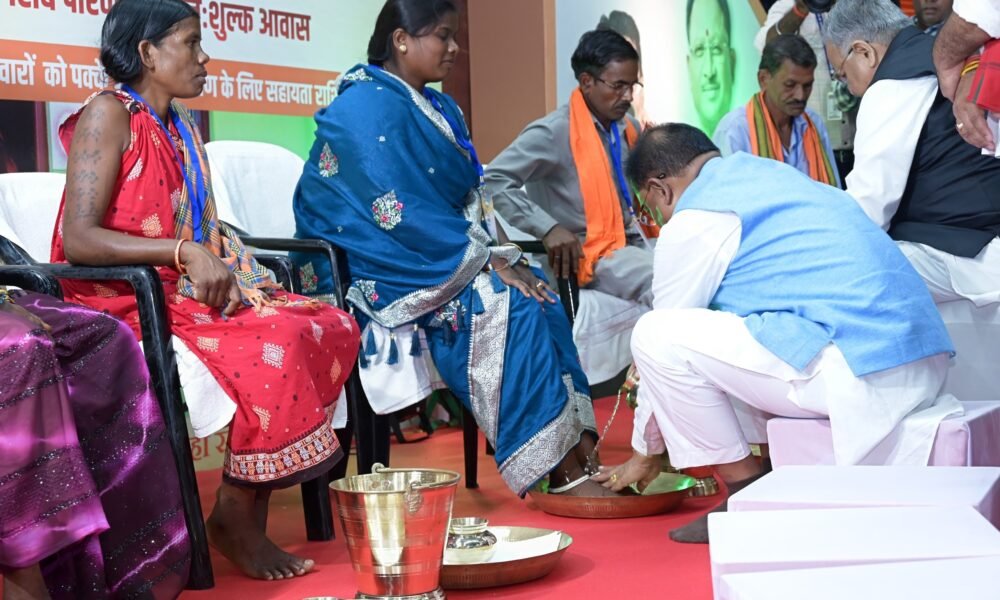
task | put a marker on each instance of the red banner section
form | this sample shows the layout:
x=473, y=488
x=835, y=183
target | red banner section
x=57, y=73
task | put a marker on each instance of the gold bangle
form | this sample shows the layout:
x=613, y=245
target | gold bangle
x=177, y=257
x=5, y=297
x=970, y=67
x=490, y=266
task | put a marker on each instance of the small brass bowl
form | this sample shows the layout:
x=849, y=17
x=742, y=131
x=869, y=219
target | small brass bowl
x=469, y=542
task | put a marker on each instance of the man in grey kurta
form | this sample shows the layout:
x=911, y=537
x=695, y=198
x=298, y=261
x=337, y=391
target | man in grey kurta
x=535, y=185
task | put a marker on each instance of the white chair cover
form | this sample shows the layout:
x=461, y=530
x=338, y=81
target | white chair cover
x=253, y=183
x=29, y=203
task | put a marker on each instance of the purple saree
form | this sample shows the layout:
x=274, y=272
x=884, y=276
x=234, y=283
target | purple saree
x=87, y=480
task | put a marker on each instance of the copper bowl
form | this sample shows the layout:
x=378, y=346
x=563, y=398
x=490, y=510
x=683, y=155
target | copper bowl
x=664, y=494
x=508, y=572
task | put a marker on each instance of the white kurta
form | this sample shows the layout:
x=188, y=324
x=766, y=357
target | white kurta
x=695, y=362
x=884, y=147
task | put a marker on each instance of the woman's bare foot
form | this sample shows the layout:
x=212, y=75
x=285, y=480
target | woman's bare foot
x=592, y=489
x=25, y=584
x=234, y=530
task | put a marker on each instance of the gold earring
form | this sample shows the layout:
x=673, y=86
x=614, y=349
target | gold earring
x=402, y=48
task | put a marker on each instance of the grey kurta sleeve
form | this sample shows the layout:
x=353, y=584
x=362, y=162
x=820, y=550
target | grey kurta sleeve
x=529, y=157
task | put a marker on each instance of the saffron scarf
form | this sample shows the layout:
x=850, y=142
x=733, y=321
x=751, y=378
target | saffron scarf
x=601, y=204
x=253, y=279
x=765, y=142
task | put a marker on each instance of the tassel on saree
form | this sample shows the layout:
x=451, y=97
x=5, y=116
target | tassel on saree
x=415, y=349
x=393, y=351
x=477, y=303
x=371, y=348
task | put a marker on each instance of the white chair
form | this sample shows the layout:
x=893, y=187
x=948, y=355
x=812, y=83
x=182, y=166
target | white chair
x=253, y=183
x=29, y=203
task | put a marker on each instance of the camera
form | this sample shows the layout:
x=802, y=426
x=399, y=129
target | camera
x=819, y=6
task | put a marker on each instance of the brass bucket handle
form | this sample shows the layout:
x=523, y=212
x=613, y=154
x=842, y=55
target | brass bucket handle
x=413, y=498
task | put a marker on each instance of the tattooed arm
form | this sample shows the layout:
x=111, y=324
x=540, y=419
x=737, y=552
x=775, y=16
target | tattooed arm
x=102, y=136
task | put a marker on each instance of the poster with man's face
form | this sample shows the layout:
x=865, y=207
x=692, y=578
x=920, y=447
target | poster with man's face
x=699, y=60
x=710, y=60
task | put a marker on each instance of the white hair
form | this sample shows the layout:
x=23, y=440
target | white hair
x=874, y=21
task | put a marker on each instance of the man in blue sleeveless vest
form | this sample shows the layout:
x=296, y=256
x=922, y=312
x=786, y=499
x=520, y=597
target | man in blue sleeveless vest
x=778, y=292
x=914, y=175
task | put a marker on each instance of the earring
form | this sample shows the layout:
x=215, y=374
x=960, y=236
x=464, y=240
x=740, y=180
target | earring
x=402, y=48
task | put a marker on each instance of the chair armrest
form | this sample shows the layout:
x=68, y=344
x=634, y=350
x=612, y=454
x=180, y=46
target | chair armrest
x=145, y=281
x=30, y=278
x=307, y=246
x=569, y=289
x=282, y=266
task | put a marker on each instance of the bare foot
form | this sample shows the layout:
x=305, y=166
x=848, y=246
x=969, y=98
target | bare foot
x=592, y=489
x=234, y=531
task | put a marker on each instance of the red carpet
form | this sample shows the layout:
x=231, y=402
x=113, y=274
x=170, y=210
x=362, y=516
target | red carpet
x=628, y=558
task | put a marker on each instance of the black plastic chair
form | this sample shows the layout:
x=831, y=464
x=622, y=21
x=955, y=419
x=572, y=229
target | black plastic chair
x=373, y=431
x=20, y=270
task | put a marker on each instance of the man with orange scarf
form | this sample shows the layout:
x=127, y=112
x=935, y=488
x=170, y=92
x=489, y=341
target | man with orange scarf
x=563, y=178
x=776, y=123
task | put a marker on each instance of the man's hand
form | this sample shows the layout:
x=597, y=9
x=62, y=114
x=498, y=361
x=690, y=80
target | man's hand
x=640, y=469
x=956, y=41
x=970, y=119
x=564, y=250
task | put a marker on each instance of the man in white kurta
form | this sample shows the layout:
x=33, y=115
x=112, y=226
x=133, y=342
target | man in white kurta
x=914, y=175
x=777, y=292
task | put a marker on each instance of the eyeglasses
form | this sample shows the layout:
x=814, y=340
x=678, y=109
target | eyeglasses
x=839, y=73
x=621, y=87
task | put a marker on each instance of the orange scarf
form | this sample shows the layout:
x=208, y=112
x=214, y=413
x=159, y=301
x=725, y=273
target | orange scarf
x=601, y=204
x=765, y=142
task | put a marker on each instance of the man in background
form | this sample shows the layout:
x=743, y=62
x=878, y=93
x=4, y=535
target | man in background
x=776, y=123
x=563, y=178
x=931, y=15
x=830, y=99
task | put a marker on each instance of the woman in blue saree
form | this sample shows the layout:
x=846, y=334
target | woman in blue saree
x=394, y=180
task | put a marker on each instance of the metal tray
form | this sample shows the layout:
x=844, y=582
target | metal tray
x=668, y=491
x=508, y=572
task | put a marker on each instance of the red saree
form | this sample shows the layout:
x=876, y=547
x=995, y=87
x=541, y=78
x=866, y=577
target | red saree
x=282, y=360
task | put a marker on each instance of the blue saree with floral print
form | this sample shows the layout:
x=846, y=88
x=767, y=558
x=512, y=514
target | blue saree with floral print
x=391, y=182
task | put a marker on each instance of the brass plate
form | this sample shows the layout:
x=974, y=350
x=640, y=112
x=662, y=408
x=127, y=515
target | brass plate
x=664, y=494
x=508, y=572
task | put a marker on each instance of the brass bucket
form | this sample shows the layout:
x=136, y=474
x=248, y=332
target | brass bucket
x=396, y=523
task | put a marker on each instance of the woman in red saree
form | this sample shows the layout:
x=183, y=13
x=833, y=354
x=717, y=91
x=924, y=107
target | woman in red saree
x=138, y=191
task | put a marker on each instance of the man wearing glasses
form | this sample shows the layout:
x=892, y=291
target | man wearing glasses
x=915, y=176
x=775, y=292
x=563, y=178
